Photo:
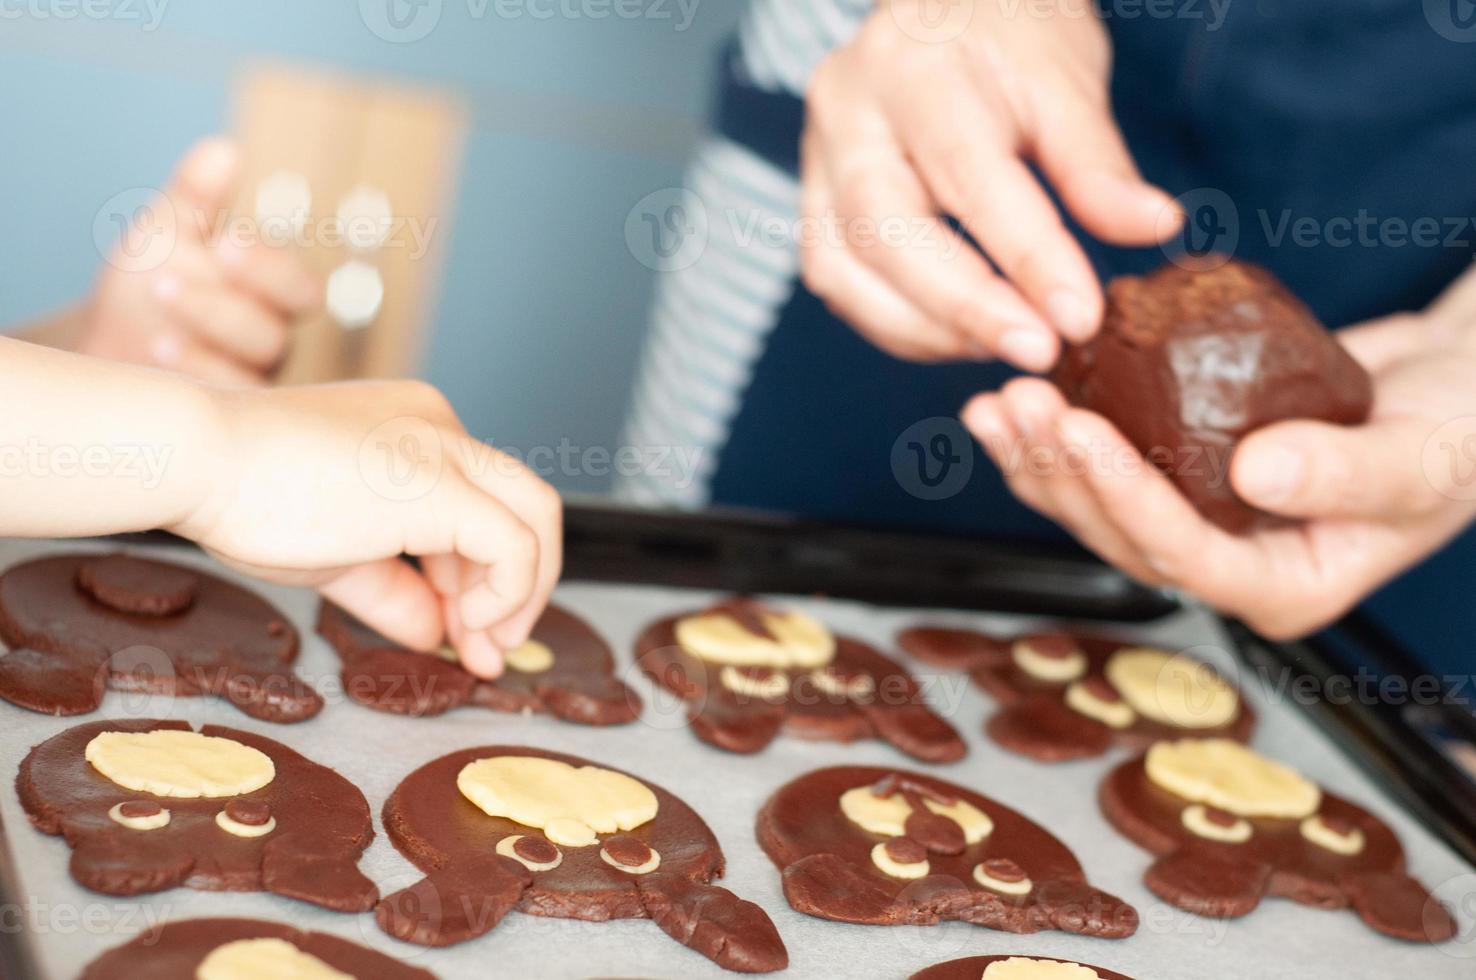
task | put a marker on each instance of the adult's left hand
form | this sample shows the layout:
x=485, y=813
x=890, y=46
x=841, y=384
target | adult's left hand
x=1372, y=500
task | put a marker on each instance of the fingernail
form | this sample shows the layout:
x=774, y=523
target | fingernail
x=1071, y=313
x=986, y=423
x=480, y=656
x=1271, y=474
x=1029, y=349
x=1071, y=432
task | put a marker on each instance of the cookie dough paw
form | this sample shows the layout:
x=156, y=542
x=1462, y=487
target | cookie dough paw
x=591, y=700
x=733, y=933
x=442, y=910
x=43, y=682
x=812, y=882
x=916, y=730
x=1044, y=728
x=1209, y=882
x=121, y=866
x=1079, y=908
x=1399, y=906
x=742, y=727
x=331, y=882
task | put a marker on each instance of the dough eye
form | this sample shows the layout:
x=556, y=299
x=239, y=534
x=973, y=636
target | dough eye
x=1094, y=697
x=764, y=683
x=246, y=818
x=1334, y=834
x=836, y=684
x=1050, y=657
x=1004, y=876
x=1213, y=824
x=629, y=854
x=900, y=858
x=140, y=815
x=533, y=853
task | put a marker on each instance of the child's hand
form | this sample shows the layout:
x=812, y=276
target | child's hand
x=177, y=294
x=1376, y=499
x=328, y=485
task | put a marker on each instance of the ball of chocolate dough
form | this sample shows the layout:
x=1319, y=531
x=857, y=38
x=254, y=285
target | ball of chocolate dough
x=1190, y=360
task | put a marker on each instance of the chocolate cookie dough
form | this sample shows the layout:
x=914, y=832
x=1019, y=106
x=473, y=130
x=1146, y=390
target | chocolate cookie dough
x=565, y=670
x=505, y=827
x=1015, y=968
x=1189, y=361
x=149, y=805
x=78, y=624
x=1230, y=827
x=1070, y=696
x=209, y=949
x=887, y=847
x=749, y=671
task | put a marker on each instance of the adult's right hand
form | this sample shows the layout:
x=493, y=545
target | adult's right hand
x=905, y=125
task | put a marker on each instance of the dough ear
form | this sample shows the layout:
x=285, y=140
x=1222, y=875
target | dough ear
x=915, y=729
x=453, y=906
x=733, y=933
x=590, y=699
x=1214, y=882
x=1077, y=907
x=1397, y=905
x=824, y=885
x=1046, y=729
x=51, y=683
x=328, y=881
x=745, y=726
x=118, y=866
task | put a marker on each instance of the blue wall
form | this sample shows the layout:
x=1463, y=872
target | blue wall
x=575, y=119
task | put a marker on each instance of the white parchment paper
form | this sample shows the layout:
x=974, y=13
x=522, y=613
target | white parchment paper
x=69, y=926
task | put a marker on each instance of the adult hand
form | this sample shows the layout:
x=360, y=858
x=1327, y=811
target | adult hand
x=329, y=485
x=1373, y=500
x=904, y=127
x=176, y=294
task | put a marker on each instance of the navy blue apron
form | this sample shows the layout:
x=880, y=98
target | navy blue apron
x=1305, y=135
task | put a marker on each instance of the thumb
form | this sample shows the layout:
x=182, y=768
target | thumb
x=1315, y=469
x=203, y=183
x=390, y=596
x=1082, y=152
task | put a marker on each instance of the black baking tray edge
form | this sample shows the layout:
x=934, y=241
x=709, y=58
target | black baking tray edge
x=747, y=552
x=1398, y=744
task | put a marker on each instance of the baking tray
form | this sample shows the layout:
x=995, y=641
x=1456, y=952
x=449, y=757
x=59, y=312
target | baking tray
x=66, y=926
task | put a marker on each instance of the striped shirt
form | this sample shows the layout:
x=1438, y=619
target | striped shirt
x=711, y=320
